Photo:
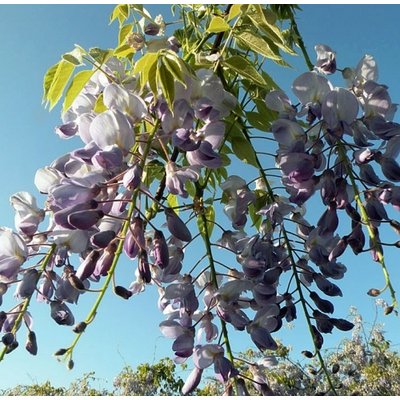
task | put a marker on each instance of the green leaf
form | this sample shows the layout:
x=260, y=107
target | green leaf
x=255, y=218
x=48, y=80
x=257, y=44
x=241, y=147
x=124, y=50
x=261, y=22
x=175, y=68
x=245, y=69
x=100, y=55
x=270, y=82
x=74, y=57
x=173, y=202
x=59, y=82
x=99, y=106
x=218, y=24
x=258, y=121
x=234, y=11
x=144, y=66
x=124, y=31
x=209, y=214
x=120, y=12
x=165, y=81
x=78, y=83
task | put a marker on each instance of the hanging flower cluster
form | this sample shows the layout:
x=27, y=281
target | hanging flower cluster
x=154, y=141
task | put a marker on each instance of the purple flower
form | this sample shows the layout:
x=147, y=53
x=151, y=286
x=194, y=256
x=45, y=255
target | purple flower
x=186, y=139
x=160, y=250
x=61, y=313
x=176, y=226
x=297, y=167
x=27, y=285
x=176, y=178
x=204, y=156
x=69, y=193
x=67, y=131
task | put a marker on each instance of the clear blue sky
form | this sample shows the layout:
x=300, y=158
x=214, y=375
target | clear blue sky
x=31, y=39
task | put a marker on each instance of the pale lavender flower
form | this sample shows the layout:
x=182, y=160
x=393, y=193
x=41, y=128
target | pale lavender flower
x=28, y=215
x=326, y=59
x=13, y=253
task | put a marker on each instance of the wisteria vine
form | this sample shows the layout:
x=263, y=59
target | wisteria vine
x=164, y=122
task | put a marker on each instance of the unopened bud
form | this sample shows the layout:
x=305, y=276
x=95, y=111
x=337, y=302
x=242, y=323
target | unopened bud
x=335, y=368
x=76, y=283
x=12, y=347
x=70, y=364
x=152, y=29
x=135, y=40
x=307, y=354
x=388, y=310
x=348, y=73
x=373, y=292
x=312, y=371
x=8, y=338
x=80, y=327
x=342, y=324
x=395, y=225
x=3, y=317
x=60, y=352
x=122, y=292
x=31, y=343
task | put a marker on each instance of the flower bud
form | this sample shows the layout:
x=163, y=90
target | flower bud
x=395, y=225
x=307, y=354
x=3, y=317
x=60, y=352
x=122, y=292
x=31, y=343
x=373, y=292
x=70, y=364
x=317, y=338
x=335, y=368
x=8, y=338
x=312, y=371
x=135, y=40
x=242, y=389
x=324, y=305
x=144, y=267
x=161, y=252
x=388, y=310
x=27, y=285
x=176, y=226
x=192, y=381
x=76, y=282
x=80, y=327
x=61, y=313
x=12, y=347
x=152, y=29
x=342, y=324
